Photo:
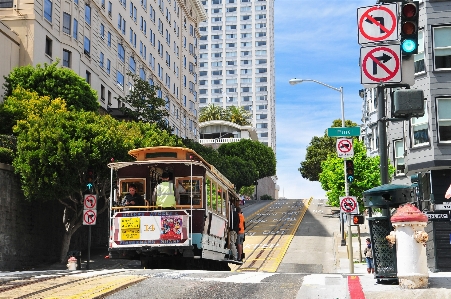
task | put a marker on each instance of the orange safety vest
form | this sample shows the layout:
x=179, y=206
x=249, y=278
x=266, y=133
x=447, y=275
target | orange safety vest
x=241, y=224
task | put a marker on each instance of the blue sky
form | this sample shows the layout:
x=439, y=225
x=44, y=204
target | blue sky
x=314, y=39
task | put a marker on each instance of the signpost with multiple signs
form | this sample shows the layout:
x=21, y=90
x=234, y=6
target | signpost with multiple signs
x=380, y=59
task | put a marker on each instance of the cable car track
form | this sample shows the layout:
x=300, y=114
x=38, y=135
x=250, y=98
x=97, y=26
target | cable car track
x=268, y=253
x=74, y=285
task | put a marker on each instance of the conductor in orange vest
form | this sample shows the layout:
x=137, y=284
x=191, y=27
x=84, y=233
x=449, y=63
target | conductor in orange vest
x=240, y=237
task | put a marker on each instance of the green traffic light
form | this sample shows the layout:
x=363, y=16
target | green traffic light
x=408, y=46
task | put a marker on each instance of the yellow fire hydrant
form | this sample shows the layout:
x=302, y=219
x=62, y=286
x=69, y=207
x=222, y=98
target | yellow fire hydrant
x=72, y=263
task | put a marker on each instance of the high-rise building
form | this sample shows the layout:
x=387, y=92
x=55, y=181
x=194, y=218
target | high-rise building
x=103, y=40
x=236, y=60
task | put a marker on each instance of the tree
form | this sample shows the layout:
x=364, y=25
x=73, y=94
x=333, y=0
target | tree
x=261, y=155
x=237, y=115
x=318, y=150
x=145, y=105
x=211, y=112
x=366, y=170
x=56, y=146
x=52, y=81
x=240, y=172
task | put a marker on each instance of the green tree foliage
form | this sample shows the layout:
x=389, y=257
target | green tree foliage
x=144, y=104
x=239, y=171
x=211, y=112
x=237, y=115
x=366, y=170
x=232, y=114
x=247, y=190
x=318, y=150
x=48, y=80
x=56, y=146
x=208, y=153
x=261, y=155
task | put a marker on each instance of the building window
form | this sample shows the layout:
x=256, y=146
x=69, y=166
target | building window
x=420, y=128
x=48, y=46
x=66, y=58
x=120, y=79
x=101, y=59
x=399, y=156
x=66, y=23
x=6, y=3
x=88, y=77
x=88, y=14
x=75, y=33
x=442, y=47
x=444, y=119
x=121, y=52
x=87, y=46
x=102, y=31
x=132, y=64
x=108, y=66
x=110, y=8
x=419, y=58
x=109, y=39
x=48, y=10
x=102, y=93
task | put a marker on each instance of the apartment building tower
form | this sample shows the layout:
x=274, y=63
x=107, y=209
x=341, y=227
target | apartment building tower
x=103, y=40
x=236, y=61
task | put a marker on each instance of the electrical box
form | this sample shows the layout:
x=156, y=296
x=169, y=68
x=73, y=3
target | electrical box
x=408, y=103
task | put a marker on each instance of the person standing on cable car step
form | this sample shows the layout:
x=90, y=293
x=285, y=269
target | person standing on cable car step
x=164, y=193
x=240, y=238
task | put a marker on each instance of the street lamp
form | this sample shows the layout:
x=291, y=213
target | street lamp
x=340, y=90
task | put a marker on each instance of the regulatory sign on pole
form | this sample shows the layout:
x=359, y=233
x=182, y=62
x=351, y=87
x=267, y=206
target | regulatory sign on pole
x=90, y=201
x=380, y=64
x=348, y=204
x=89, y=217
x=345, y=148
x=377, y=23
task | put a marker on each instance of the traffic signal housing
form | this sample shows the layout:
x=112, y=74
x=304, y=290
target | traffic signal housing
x=358, y=219
x=350, y=171
x=408, y=103
x=409, y=28
x=89, y=178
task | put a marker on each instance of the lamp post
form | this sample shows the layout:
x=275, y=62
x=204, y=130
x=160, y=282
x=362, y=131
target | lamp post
x=343, y=241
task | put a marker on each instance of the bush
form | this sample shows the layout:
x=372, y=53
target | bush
x=266, y=197
x=6, y=155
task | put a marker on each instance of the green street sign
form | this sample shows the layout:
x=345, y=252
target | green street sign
x=343, y=132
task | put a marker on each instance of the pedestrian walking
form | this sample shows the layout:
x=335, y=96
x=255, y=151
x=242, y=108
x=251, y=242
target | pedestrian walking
x=368, y=251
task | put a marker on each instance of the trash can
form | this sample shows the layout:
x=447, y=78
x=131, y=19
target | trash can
x=76, y=254
x=385, y=198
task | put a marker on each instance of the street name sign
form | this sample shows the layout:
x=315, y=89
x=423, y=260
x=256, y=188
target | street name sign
x=377, y=23
x=444, y=207
x=438, y=216
x=348, y=204
x=345, y=148
x=343, y=132
x=380, y=64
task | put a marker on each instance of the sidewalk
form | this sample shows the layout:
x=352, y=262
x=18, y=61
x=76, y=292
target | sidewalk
x=439, y=283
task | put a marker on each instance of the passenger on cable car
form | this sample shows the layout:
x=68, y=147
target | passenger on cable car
x=132, y=198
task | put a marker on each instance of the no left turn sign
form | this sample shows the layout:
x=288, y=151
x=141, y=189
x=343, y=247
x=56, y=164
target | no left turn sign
x=345, y=148
x=377, y=23
x=380, y=64
x=90, y=201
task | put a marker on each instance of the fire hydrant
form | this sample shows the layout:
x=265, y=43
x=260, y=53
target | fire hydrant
x=72, y=263
x=410, y=238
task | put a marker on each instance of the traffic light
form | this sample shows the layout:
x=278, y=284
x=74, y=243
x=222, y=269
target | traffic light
x=358, y=219
x=409, y=28
x=89, y=178
x=350, y=171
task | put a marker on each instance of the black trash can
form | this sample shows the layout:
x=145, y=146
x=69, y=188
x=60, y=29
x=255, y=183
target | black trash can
x=385, y=198
x=76, y=254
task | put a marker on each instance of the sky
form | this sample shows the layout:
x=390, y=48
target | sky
x=314, y=39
